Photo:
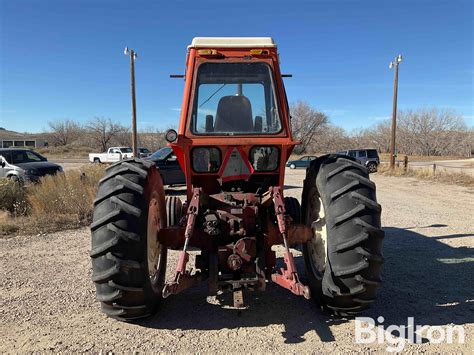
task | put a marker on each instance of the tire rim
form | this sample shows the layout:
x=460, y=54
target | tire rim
x=317, y=246
x=154, y=248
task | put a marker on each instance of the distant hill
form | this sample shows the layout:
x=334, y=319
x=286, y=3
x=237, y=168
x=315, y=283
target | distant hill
x=6, y=134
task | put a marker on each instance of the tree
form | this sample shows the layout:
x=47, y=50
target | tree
x=64, y=132
x=330, y=139
x=102, y=130
x=152, y=138
x=306, y=123
x=432, y=132
x=420, y=132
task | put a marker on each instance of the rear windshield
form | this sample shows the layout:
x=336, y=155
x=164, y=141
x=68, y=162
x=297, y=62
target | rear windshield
x=372, y=153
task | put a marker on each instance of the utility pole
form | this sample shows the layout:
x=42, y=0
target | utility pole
x=133, y=55
x=395, y=63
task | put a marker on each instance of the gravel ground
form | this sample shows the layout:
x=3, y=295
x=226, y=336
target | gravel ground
x=47, y=299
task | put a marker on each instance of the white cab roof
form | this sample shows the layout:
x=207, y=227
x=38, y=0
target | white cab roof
x=232, y=42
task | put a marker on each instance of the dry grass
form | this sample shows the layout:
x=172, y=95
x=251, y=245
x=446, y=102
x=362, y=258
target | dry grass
x=65, y=152
x=59, y=202
x=454, y=178
x=13, y=197
x=7, y=224
x=411, y=158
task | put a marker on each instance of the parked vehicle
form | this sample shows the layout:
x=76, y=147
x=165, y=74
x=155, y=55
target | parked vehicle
x=143, y=152
x=167, y=163
x=302, y=162
x=367, y=157
x=113, y=155
x=25, y=165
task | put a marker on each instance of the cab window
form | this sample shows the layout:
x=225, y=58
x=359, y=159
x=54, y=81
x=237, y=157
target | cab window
x=234, y=98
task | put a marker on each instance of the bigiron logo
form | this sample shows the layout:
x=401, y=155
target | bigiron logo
x=367, y=331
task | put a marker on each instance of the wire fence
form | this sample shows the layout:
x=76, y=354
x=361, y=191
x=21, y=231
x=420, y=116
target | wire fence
x=427, y=165
x=434, y=166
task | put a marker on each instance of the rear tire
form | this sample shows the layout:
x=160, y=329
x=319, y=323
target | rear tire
x=339, y=202
x=293, y=208
x=292, y=166
x=174, y=210
x=97, y=161
x=128, y=263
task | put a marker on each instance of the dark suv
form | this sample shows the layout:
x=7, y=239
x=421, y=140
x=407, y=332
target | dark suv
x=367, y=157
x=25, y=165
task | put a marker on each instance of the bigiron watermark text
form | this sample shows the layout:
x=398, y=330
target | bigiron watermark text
x=369, y=331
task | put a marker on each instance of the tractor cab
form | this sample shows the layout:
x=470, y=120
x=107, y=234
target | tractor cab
x=234, y=132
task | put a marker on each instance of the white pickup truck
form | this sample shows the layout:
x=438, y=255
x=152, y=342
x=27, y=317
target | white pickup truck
x=112, y=155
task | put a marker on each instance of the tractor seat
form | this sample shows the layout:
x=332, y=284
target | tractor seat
x=234, y=114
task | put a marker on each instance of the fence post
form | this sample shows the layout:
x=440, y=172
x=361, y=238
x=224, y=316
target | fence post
x=405, y=163
x=434, y=169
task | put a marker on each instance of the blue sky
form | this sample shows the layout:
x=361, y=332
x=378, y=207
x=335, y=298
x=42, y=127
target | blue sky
x=64, y=59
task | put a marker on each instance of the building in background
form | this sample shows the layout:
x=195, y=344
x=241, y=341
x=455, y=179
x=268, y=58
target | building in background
x=14, y=139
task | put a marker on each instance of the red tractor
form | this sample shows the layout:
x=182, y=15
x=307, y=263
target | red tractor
x=233, y=141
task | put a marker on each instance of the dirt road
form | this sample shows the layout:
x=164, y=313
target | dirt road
x=47, y=299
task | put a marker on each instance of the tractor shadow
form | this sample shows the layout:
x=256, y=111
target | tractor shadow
x=422, y=278
x=426, y=279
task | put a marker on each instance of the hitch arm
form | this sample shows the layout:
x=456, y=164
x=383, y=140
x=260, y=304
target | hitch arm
x=289, y=277
x=183, y=278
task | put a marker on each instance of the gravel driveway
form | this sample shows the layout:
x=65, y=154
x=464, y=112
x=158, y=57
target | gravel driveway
x=47, y=298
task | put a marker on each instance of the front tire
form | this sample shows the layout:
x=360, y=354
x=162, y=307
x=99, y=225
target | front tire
x=128, y=262
x=292, y=166
x=343, y=260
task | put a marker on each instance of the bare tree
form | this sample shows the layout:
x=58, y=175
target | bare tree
x=102, y=130
x=306, y=123
x=432, y=132
x=64, y=132
x=123, y=137
x=420, y=132
x=152, y=138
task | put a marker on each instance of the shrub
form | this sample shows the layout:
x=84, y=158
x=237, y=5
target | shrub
x=65, y=198
x=7, y=224
x=13, y=197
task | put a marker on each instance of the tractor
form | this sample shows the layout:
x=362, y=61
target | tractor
x=233, y=141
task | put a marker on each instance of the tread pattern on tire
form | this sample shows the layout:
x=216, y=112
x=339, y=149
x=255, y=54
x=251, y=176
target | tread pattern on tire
x=352, y=273
x=118, y=249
